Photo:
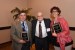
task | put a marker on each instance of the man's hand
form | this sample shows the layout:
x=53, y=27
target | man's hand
x=22, y=41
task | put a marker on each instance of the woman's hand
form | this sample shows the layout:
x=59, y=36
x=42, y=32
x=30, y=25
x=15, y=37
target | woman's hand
x=54, y=34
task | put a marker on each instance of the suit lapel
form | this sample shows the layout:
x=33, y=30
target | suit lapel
x=35, y=24
x=28, y=25
x=45, y=23
x=19, y=28
x=29, y=29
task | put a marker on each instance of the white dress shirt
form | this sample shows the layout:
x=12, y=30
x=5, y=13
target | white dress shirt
x=44, y=31
x=26, y=27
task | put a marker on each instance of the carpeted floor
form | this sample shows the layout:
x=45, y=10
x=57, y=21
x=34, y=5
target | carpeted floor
x=7, y=46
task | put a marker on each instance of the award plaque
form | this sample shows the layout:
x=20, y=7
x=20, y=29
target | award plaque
x=57, y=27
x=24, y=36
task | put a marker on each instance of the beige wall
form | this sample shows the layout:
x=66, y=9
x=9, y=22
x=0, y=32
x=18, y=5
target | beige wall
x=6, y=17
x=4, y=36
x=67, y=7
x=6, y=6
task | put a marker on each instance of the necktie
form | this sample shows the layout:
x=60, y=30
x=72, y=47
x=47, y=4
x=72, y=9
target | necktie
x=40, y=30
x=23, y=27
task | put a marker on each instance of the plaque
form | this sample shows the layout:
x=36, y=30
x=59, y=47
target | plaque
x=57, y=27
x=24, y=36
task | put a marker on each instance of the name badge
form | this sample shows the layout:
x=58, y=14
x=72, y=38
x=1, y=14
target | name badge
x=48, y=29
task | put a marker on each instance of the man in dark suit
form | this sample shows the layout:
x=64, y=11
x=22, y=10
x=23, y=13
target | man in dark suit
x=21, y=33
x=41, y=32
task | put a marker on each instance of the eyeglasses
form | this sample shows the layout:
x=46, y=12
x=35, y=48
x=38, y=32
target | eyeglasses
x=54, y=11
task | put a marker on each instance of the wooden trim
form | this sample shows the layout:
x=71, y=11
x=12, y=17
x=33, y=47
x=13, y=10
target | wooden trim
x=6, y=43
x=72, y=28
x=6, y=27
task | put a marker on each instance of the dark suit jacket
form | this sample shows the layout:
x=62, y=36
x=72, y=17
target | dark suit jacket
x=47, y=25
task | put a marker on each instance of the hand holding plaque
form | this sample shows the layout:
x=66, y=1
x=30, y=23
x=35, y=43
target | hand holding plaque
x=24, y=36
x=57, y=27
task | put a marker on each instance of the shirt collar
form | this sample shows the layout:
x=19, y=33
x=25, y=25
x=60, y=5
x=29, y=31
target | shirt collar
x=23, y=21
x=41, y=21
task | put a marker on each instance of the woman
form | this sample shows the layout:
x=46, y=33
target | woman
x=61, y=39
